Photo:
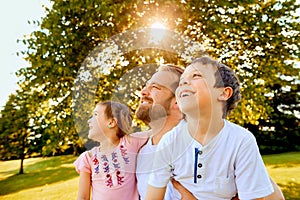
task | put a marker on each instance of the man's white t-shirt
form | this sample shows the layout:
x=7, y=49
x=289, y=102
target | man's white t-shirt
x=228, y=164
x=143, y=170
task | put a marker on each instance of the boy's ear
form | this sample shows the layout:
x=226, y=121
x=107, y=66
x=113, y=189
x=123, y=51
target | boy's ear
x=226, y=93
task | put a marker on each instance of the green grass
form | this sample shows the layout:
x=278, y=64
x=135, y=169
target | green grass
x=44, y=178
x=285, y=170
x=55, y=177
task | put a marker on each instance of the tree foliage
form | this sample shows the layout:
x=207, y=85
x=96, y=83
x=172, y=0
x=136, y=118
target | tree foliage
x=258, y=39
x=16, y=140
x=280, y=132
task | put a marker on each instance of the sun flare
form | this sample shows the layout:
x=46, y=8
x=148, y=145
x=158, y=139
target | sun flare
x=158, y=31
x=158, y=25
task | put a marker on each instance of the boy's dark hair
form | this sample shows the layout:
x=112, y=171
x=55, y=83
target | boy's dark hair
x=225, y=77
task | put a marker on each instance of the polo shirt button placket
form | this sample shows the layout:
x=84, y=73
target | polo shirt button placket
x=199, y=176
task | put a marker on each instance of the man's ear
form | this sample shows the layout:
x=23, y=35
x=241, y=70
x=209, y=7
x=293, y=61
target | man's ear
x=174, y=104
x=226, y=93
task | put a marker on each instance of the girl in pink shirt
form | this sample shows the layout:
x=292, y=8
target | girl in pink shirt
x=109, y=169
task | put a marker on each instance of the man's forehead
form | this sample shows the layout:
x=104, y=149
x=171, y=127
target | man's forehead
x=166, y=79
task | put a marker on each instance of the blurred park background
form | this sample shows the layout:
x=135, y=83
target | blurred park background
x=86, y=51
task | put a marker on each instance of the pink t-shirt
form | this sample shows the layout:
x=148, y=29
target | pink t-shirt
x=113, y=171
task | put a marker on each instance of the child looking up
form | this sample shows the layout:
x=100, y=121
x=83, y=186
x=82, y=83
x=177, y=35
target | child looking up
x=208, y=155
x=109, y=169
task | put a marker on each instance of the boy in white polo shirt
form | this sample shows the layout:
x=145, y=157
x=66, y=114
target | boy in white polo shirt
x=210, y=156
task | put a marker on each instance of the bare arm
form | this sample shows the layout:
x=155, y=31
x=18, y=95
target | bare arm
x=277, y=194
x=84, y=186
x=154, y=193
x=185, y=194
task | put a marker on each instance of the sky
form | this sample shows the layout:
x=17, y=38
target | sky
x=14, y=17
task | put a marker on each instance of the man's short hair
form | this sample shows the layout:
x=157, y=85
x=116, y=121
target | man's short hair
x=177, y=70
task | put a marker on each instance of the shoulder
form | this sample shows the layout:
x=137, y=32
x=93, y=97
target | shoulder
x=177, y=130
x=175, y=135
x=147, y=146
x=240, y=137
x=238, y=131
x=142, y=134
x=133, y=140
x=87, y=154
x=92, y=151
x=83, y=162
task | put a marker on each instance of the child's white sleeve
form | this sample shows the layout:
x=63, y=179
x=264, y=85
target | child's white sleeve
x=161, y=168
x=252, y=178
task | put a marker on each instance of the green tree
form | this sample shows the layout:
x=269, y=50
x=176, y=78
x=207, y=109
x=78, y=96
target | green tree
x=15, y=137
x=280, y=131
x=258, y=39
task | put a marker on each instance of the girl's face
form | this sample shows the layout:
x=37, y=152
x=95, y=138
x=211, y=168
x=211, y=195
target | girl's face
x=98, y=124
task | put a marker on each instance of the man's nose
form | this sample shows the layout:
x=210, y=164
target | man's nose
x=145, y=91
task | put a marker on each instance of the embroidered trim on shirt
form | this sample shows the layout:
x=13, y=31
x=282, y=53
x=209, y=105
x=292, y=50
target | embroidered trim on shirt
x=124, y=154
x=111, y=168
x=96, y=163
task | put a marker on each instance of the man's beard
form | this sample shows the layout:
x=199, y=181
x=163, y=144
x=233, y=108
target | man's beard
x=142, y=113
x=153, y=112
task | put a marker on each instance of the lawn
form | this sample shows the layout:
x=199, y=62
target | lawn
x=285, y=170
x=44, y=178
x=55, y=177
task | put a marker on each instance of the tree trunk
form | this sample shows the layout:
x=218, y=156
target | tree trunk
x=21, y=165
